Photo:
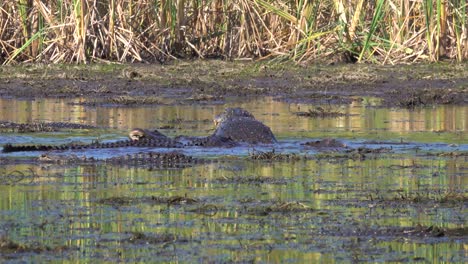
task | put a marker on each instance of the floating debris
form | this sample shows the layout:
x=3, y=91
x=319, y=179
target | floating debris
x=320, y=112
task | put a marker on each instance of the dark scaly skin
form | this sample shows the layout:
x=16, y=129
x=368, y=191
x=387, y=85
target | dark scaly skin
x=230, y=113
x=239, y=125
x=142, y=159
x=209, y=141
x=147, y=142
x=153, y=160
x=156, y=160
x=234, y=125
x=139, y=134
x=182, y=141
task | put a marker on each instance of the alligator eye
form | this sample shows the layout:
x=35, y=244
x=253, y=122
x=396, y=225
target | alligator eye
x=136, y=134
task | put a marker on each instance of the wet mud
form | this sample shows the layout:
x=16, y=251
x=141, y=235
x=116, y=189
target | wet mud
x=212, y=82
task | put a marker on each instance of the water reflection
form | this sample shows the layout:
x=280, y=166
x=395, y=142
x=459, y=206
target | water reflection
x=441, y=123
x=323, y=210
x=97, y=211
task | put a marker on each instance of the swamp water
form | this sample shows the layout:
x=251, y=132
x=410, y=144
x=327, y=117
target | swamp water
x=405, y=204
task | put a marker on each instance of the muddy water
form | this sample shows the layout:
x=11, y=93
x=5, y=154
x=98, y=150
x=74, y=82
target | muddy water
x=403, y=206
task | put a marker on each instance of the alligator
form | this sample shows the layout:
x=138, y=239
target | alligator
x=142, y=159
x=146, y=142
x=233, y=126
x=152, y=159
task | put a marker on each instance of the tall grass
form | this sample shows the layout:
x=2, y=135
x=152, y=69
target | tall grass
x=395, y=31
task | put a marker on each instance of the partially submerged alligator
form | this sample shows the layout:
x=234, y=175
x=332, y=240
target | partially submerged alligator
x=154, y=159
x=234, y=126
x=142, y=159
x=239, y=125
x=149, y=142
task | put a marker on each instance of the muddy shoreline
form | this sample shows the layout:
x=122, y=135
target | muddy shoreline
x=211, y=82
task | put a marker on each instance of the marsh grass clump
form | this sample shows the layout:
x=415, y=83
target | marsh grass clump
x=26, y=127
x=245, y=179
x=424, y=97
x=452, y=198
x=123, y=100
x=8, y=246
x=142, y=238
x=204, y=97
x=422, y=197
x=116, y=201
x=453, y=154
x=178, y=200
x=129, y=100
x=8, y=127
x=273, y=156
x=325, y=143
x=435, y=231
x=361, y=153
x=320, y=112
x=277, y=207
x=172, y=200
x=205, y=209
x=302, y=31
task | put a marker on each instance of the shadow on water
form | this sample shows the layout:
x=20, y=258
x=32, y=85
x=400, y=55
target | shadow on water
x=405, y=205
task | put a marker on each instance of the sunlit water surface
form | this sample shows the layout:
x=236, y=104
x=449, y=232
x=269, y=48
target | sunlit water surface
x=322, y=210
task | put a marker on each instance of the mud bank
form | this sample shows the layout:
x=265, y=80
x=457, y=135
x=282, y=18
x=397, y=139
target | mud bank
x=208, y=82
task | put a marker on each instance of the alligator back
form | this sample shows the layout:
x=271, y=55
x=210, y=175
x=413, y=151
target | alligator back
x=244, y=129
x=146, y=142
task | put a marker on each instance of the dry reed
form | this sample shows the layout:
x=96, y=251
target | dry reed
x=65, y=31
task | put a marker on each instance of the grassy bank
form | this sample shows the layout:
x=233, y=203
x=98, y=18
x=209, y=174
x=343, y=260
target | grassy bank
x=387, y=32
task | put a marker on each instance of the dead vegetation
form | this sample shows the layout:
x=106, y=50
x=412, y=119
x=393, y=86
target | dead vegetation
x=121, y=100
x=264, y=209
x=428, y=197
x=7, y=127
x=192, y=205
x=8, y=246
x=361, y=153
x=273, y=156
x=425, y=97
x=172, y=200
x=246, y=179
x=305, y=31
x=325, y=143
x=320, y=112
x=452, y=154
x=143, y=238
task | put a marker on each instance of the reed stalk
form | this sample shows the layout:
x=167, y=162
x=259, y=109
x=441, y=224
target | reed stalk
x=67, y=31
x=376, y=19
